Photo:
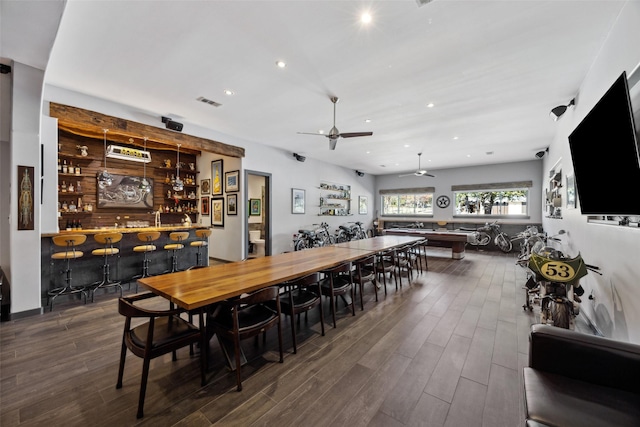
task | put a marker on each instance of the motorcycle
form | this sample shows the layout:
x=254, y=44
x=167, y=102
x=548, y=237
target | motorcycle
x=354, y=231
x=313, y=238
x=554, y=281
x=529, y=238
x=483, y=235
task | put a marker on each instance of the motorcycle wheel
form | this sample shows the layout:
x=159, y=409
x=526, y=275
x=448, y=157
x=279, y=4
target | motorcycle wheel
x=300, y=245
x=561, y=315
x=483, y=239
x=503, y=242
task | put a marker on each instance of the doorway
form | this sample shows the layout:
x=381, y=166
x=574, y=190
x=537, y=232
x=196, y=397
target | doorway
x=257, y=187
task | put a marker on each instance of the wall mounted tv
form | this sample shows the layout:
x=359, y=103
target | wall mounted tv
x=604, y=150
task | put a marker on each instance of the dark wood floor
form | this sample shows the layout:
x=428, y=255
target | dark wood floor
x=448, y=350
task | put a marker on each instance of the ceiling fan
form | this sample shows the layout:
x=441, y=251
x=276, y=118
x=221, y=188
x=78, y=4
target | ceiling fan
x=334, y=134
x=419, y=172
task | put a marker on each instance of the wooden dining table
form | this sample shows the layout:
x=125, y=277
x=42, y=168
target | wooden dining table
x=193, y=289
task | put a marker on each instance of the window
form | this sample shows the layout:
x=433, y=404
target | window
x=409, y=204
x=502, y=202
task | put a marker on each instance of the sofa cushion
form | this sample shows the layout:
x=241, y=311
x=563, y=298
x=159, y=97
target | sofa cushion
x=556, y=400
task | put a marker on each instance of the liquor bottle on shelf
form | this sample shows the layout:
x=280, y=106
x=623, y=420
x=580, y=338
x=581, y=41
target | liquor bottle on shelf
x=68, y=226
x=70, y=188
x=59, y=166
x=71, y=169
x=79, y=226
x=63, y=189
x=78, y=187
x=65, y=207
x=78, y=171
x=65, y=168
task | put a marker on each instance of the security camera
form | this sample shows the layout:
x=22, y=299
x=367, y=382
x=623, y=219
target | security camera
x=359, y=173
x=540, y=154
x=171, y=124
x=299, y=157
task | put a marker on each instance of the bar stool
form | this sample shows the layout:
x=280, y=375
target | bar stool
x=147, y=237
x=203, y=235
x=178, y=237
x=106, y=240
x=69, y=242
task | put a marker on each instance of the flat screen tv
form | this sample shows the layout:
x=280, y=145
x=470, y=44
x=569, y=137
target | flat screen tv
x=604, y=150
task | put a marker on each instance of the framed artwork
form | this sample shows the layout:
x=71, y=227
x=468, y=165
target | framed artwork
x=25, y=198
x=363, y=205
x=232, y=204
x=217, y=174
x=254, y=207
x=232, y=182
x=297, y=201
x=205, y=186
x=124, y=192
x=217, y=212
x=204, y=201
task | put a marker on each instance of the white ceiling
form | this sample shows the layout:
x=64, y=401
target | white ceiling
x=493, y=69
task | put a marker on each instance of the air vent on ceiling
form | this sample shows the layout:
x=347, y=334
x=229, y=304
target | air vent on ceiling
x=423, y=2
x=208, y=101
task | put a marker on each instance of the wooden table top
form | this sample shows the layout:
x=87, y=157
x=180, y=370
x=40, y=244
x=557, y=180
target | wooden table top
x=197, y=288
x=378, y=243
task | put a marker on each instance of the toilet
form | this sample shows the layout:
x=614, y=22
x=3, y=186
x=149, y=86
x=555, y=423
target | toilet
x=254, y=237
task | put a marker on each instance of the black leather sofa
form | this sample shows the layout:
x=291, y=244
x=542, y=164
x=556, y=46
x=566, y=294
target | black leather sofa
x=574, y=379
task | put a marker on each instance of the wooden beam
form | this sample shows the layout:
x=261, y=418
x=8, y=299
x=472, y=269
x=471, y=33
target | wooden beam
x=91, y=124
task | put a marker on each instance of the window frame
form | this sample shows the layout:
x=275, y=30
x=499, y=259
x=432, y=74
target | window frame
x=406, y=194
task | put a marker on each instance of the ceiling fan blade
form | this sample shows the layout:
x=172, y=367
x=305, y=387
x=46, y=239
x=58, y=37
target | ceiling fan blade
x=353, y=134
x=310, y=133
x=332, y=143
x=428, y=174
x=406, y=174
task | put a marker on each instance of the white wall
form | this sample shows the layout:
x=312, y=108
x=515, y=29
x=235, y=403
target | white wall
x=616, y=305
x=24, y=245
x=445, y=178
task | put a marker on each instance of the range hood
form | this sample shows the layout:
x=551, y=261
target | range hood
x=125, y=153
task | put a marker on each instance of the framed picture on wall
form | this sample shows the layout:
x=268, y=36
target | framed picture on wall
x=217, y=212
x=363, y=205
x=204, y=202
x=25, y=198
x=232, y=182
x=217, y=175
x=205, y=186
x=232, y=204
x=297, y=201
x=254, y=207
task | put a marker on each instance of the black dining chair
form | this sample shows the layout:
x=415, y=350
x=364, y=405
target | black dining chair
x=385, y=264
x=163, y=332
x=338, y=281
x=245, y=317
x=300, y=296
x=365, y=271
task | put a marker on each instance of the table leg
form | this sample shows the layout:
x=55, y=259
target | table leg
x=457, y=250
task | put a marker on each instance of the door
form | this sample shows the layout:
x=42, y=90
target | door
x=257, y=210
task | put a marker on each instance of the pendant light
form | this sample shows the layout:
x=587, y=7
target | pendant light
x=178, y=185
x=144, y=186
x=104, y=178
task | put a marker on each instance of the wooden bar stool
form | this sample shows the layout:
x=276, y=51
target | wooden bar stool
x=203, y=236
x=147, y=237
x=69, y=242
x=178, y=237
x=107, y=241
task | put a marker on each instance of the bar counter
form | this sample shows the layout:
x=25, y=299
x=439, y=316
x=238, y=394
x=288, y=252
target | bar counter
x=124, y=266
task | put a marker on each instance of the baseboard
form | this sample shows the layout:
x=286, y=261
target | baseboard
x=27, y=313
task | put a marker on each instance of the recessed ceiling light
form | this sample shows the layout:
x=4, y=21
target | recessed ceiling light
x=365, y=18
x=368, y=152
x=321, y=131
x=430, y=105
x=281, y=64
x=455, y=137
x=229, y=92
x=468, y=155
x=407, y=145
x=367, y=120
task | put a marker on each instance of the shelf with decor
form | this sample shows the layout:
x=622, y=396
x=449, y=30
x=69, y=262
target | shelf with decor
x=335, y=199
x=553, y=202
